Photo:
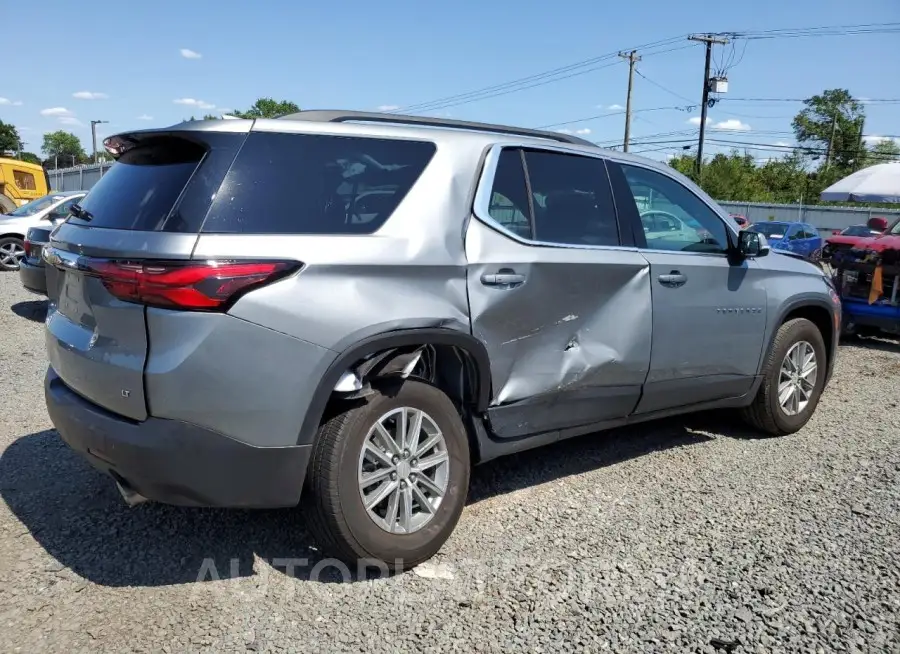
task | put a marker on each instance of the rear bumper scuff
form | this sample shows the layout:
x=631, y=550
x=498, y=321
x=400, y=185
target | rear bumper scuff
x=175, y=462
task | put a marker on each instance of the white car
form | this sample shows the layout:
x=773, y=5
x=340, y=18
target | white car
x=14, y=225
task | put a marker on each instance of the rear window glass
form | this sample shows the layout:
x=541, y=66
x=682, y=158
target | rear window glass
x=313, y=184
x=141, y=188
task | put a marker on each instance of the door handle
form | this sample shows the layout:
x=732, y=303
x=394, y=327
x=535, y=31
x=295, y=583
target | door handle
x=505, y=277
x=673, y=280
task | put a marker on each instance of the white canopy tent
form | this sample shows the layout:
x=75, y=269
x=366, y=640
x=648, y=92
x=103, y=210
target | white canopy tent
x=879, y=183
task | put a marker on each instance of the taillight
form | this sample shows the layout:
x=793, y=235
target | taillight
x=27, y=247
x=202, y=286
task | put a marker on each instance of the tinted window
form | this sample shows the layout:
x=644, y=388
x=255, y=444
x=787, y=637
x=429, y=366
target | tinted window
x=140, y=190
x=770, y=229
x=311, y=184
x=36, y=205
x=572, y=200
x=672, y=216
x=509, y=195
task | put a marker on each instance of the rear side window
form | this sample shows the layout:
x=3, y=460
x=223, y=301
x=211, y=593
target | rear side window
x=140, y=190
x=572, y=199
x=509, y=195
x=314, y=184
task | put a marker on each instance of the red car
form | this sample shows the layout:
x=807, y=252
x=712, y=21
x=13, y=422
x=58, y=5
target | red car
x=849, y=237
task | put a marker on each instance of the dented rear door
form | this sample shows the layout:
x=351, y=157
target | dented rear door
x=561, y=304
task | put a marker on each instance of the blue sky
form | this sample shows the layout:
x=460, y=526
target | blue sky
x=393, y=53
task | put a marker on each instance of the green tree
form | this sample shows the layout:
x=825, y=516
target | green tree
x=831, y=122
x=30, y=157
x=9, y=139
x=733, y=176
x=684, y=164
x=63, y=148
x=268, y=108
x=785, y=180
x=882, y=152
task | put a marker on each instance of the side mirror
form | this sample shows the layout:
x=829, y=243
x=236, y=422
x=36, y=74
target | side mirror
x=752, y=244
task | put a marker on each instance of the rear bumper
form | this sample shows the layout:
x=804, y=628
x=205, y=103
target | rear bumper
x=33, y=277
x=175, y=462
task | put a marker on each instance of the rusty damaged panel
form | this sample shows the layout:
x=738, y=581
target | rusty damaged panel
x=582, y=317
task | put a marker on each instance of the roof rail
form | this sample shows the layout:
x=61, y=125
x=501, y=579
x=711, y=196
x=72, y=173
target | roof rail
x=337, y=116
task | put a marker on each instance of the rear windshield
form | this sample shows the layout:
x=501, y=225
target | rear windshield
x=141, y=188
x=770, y=229
x=313, y=184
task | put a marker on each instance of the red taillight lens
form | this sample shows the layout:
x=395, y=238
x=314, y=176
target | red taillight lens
x=209, y=286
x=27, y=247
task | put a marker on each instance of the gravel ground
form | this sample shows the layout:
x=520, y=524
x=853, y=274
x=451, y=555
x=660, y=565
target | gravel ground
x=689, y=535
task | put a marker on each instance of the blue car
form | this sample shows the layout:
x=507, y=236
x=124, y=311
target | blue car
x=799, y=238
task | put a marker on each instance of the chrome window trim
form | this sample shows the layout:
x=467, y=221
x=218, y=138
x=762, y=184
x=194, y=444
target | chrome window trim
x=481, y=205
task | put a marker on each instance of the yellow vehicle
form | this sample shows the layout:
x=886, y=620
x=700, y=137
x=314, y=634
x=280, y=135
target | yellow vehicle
x=21, y=182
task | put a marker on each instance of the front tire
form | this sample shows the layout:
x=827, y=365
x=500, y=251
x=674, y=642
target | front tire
x=380, y=491
x=12, y=251
x=793, y=380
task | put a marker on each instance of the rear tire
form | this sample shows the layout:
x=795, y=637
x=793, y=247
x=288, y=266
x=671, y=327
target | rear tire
x=773, y=409
x=337, y=513
x=12, y=250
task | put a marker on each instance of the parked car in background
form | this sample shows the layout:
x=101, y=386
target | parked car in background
x=847, y=238
x=228, y=325
x=798, y=238
x=14, y=225
x=741, y=220
x=32, y=270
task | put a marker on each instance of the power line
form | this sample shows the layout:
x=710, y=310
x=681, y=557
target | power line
x=658, y=85
x=598, y=116
x=530, y=81
x=866, y=101
x=658, y=47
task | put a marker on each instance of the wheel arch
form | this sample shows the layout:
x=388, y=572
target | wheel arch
x=398, y=348
x=819, y=312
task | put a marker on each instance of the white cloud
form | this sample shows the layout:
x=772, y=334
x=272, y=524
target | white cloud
x=56, y=111
x=615, y=107
x=581, y=132
x=145, y=117
x=387, y=107
x=783, y=144
x=187, y=53
x=875, y=140
x=695, y=120
x=13, y=103
x=731, y=125
x=191, y=102
x=89, y=95
x=70, y=120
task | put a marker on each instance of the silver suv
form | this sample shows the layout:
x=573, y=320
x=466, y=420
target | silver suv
x=359, y=307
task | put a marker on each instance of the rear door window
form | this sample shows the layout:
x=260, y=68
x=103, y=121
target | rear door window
x=316, y=184
x=509, y=194
x=572, y=199
x=140, y=190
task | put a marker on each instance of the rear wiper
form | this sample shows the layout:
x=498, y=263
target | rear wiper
x=77, y=211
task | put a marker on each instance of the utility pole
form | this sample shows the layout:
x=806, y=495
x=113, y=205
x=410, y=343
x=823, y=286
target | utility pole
x=632, y=59
x=94, y=124
x=859, y=145
x=831, y=140
x=709, y=40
